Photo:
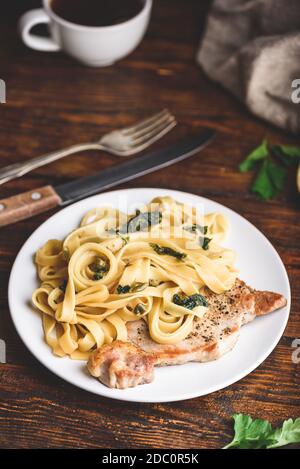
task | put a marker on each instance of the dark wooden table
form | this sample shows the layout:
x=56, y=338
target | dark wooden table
x=53, y=102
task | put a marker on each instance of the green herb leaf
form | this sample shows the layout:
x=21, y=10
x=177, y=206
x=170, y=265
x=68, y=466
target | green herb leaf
x=281, y=157
x=257, y=434
x=134, y=288
x=269, y=180
x=262, y=185
x=194, y=228
x=165, y=250
x=250, y=434
x=271, y=176
x=100, y=267
x=123, y=289
x=277, y=175
x=287, y=434
x=97, y=276
x=259, y=154
x=287, y=154
x=141, y=222
x=189, y=302
x=204, y=242
x=139, y=309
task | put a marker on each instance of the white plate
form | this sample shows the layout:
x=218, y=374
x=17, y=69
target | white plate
x=259, y=265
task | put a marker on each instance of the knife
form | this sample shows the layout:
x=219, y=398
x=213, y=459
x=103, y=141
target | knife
x=28, y=204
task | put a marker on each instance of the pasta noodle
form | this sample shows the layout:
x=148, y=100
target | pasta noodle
x=155, y=264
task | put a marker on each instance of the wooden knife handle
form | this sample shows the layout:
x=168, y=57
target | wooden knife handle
x=27, y=204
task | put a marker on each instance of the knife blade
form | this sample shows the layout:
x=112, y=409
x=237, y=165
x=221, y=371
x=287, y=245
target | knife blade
x=39, y=200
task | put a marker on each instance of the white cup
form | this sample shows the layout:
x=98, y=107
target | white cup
x=98, y=46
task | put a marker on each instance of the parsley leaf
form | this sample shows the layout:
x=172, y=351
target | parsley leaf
x=283, y=151
x=287, y=434
x=258, y=154
x=272, y=174
x=262, y=185
x=258, y=434
x=269, y=180
x=277, y=175
x=249, y=433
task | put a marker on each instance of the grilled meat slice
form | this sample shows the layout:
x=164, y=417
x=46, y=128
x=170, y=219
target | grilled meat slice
x=217, y=332
x=121, y=365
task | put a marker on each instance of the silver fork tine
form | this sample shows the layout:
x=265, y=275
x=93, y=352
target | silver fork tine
x=137, y=147
x=144, y=123
x=163, y=121
x=122, y=142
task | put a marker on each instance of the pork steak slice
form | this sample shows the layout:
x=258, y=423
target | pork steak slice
x=216, y=333
x=121, y=365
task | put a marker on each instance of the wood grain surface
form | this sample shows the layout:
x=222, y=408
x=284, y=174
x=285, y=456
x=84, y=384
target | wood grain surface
x=53, y=102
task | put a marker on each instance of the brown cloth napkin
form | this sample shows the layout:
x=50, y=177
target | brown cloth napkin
x=252, y=47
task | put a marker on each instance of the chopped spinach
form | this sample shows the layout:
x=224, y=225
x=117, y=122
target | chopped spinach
x=189, y=302
x=97, y=276
x=141, y=222
x=167, y=251
x=100, y=268
x=204, y=242
x=139, y=309
x=134, y=288
x=123, y=289
x=194, y=228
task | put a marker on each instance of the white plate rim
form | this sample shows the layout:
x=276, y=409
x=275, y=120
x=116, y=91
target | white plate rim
x=106, y=392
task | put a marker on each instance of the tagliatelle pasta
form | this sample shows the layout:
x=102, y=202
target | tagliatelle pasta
x=155, y=264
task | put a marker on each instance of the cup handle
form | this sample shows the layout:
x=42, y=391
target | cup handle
x=26, y=23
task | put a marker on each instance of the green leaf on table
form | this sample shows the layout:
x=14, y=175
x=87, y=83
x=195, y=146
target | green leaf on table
x=287, y=154
x=287, y=434
x=263, y=185
x=249, y=433
x=258, y=154
x=277, y=174
x=270, y=180
x=259, y=434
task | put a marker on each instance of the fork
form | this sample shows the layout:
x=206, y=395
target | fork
x=122, y=142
